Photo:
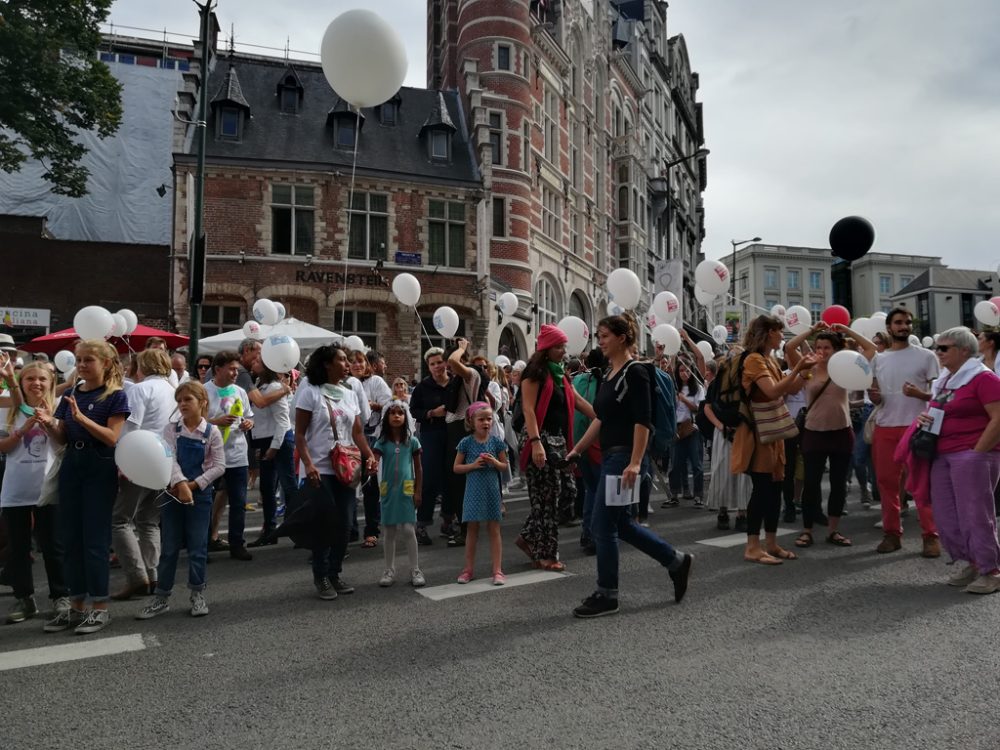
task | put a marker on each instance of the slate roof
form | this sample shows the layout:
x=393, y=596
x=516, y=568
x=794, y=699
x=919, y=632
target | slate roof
x=305, y=140
x=230, y=91
x=947, y=278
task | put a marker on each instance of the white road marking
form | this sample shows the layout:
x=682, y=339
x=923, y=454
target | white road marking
x=482, y=585
x=80, y=649
x=735, y=540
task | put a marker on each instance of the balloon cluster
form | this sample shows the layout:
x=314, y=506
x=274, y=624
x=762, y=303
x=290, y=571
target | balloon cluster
x=96, y=322
x=987, y=312
x=280, y=352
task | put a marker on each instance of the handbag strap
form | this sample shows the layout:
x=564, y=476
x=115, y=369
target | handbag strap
x=333, y=421
x=825, y=386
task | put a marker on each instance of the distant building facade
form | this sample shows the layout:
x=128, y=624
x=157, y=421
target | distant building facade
x=942, y=298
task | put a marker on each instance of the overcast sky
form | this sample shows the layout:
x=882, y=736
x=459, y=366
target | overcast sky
x=813, y=111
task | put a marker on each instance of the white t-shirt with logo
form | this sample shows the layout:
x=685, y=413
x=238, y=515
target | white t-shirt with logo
x=26, y=465
x=683, y=412
x=893, y=368
x=319, y=435
x=152, y=403
x=236, y=442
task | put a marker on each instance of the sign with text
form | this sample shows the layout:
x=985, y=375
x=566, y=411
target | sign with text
x=409, y=259
x=26, y=317
x=339, y=278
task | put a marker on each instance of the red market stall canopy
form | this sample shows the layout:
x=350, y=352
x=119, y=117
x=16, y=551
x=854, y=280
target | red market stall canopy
x=54, y=342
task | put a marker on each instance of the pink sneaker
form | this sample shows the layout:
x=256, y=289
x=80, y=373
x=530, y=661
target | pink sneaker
x=465, y=576
x=499, y=579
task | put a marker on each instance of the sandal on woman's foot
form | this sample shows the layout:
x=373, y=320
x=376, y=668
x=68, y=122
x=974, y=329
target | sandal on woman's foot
x=522, y=545
x=782, y=554
x=805, y=539
x=370, y=542
x=763, y=558
x=838, y=539
x=554, y=566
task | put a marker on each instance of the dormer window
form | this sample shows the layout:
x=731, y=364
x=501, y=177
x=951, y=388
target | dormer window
x=289, y=101
x=290, y=92
x=230, y=108
x=438, y=129
x=389, y=113
x=440, y=145
x=229, y=123
x=346, y=124
x=345, y=132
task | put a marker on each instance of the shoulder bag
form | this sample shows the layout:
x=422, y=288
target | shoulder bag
x=772, y=421
x=346, y=459
x=800, y=418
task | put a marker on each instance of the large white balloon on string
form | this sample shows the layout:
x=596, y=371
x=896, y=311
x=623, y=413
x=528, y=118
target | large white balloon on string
x=577, y=334
x=281, y=312
x=131, y=320
x=507, y=304
x=712, y=276
x=706, y=349
x=850, y=370
x=666, y=306
x=668, y=337
x=265, y=312
x=363, y=58
x=280, y=353
x=354, y=344
x=720, y=334
x=624, y=288
x=987, y=313
x=253, y=330
x=407, y=289
x=145, y=459
x=446, y=322
x=798, y=319
x=93, y=322
x=702, y=297
x=119, y=325
x=64, y=361
x=778, y=311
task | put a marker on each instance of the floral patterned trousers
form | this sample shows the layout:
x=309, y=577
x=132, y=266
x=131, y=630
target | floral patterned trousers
x=550, y=489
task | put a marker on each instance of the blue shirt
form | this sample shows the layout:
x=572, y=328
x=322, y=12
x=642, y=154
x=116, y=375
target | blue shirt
x=97, y=411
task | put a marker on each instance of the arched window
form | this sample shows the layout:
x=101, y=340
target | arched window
x=623, y=203
x=548, y=302
x=579, y=308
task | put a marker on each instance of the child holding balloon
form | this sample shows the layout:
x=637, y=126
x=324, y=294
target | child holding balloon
x=198, y=460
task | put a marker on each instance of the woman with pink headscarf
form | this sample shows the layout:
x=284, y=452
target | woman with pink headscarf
x=548, y=401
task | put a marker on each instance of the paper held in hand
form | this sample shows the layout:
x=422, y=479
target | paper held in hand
x=615, y=494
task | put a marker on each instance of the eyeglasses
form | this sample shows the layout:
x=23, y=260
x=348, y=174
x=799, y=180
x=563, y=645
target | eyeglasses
x=202, y=367
x=942, y=348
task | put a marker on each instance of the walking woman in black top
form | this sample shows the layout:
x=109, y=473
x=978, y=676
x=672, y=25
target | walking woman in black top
x=624, y=419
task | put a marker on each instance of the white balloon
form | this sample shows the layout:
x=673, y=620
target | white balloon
x=355, y=344
x=712, y=276
x=624, y=288
x=253, y=330
x=653, y=320
x=119, y=326
x=363, y=58
x=706, y=349
x=502, y=361
x=666, y=306
x=987, y=313
x=145, y=458
x=666, y=335
x=615, y=309
x=64, y=361
x=131, y=320
x=508, y=303
x=519, y=365
x=407, y=289
x=577, y=333
x=703, y=298
x=913, y=340
x=798, y=319
x=446, y=322
x=778, y=311
x=281, y=312
x=93, y=322
x=850, y=370
x=720, y=334
x=265, y=312
x=879, y=314
x=936, y=337
x=280, y=353
x=927, y=341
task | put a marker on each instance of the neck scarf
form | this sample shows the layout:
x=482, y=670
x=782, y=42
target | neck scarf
x=558, y=372
x=963, y=376
x=333, y=391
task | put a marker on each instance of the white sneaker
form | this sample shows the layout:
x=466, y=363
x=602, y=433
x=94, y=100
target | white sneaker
x=158, y=606
x=417, y=579
x=963, y=576
x=96, y=619
x=985, y=584
x=388, y=578
x=199, y=607
x=878, y=524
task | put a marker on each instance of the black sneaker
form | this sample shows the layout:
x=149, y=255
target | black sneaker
x=324, y=589
x=22, y=610
x=265, y=539
x=680, y=577
x=670, y=502
x=218, y=545
x=722, y=523
x=423, y=538
x=341, y=587
x=458, y=540
x=240, y=553
x=596, y=605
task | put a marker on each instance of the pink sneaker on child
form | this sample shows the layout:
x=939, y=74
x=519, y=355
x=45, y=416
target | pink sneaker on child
x=499, y=579
x=465, y=576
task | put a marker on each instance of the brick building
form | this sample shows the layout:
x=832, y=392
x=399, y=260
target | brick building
x=280, y=152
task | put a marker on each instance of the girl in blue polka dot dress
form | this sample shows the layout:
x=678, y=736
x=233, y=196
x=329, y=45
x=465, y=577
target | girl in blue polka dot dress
x=482, y=457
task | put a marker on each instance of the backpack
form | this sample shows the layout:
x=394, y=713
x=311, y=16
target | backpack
x=662, y=399
x=702, y=422
x=726, y=394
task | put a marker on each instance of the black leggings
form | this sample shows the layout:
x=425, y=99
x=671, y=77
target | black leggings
x=765, y=504
x=812, y=492
x=788, y=484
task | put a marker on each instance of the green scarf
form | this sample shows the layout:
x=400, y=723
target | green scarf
x=333, y=391
x=558, y=371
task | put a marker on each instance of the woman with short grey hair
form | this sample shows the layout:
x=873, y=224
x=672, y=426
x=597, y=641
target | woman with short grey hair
x=966, y=466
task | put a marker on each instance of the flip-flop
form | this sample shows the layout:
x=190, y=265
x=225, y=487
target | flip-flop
x=805, y=539
x=765, y=559
x=839, y=540
x=783, y=555
x=554, y=566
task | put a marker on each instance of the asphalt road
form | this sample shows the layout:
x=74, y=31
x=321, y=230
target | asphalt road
x=840, y=649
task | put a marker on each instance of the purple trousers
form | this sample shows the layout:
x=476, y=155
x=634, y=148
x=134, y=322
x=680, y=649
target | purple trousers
x=962, y=498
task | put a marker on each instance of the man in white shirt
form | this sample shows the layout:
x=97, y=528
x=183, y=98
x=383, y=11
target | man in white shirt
x=151, y=400
x=903, y=374
x=178, y=363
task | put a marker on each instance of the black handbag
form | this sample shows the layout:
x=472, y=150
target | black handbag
x=923, y=444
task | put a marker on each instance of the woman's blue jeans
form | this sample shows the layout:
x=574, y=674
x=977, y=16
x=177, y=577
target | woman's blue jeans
x=334, y=525
x=611, y=523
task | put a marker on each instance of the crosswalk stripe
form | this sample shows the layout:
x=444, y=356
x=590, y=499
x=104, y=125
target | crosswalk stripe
x=735, y=540
x=482, y=585
x=82, y=649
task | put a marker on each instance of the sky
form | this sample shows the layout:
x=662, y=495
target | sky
x=888, y=109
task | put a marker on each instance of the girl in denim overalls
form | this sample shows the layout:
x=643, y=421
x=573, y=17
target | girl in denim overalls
x=199, y=460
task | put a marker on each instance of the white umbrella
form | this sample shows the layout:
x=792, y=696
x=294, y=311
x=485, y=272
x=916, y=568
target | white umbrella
x=306, y=335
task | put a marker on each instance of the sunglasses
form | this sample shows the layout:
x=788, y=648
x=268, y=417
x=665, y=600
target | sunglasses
x=942, y=348
x=203, y=367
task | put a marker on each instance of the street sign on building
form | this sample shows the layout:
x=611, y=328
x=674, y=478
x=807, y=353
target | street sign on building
x=24, y=317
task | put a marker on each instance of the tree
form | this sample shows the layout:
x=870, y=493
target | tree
x=52, y=86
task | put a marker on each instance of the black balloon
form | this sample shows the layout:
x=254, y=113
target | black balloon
x=852, y=237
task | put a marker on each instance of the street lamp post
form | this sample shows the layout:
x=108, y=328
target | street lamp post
x=732, y=271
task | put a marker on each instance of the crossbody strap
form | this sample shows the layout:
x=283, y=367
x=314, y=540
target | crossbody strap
x=333, y=421
x=827, y=383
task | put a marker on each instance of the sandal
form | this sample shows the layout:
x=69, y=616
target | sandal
x=805, y=539
x=782, y=554
x=763, y=559
x=838, y=539
x=554, y=566
x=370, y=542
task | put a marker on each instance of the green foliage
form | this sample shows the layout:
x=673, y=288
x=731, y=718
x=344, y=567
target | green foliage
x=52, y=86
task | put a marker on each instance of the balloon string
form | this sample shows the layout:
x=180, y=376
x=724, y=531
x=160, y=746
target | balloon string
x=748, y=304
x=164, y=505
x=350, y=206
x=420, y=320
